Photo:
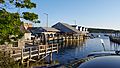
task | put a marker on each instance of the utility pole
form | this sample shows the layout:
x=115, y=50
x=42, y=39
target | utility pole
x=46, y=19
x=75, y=22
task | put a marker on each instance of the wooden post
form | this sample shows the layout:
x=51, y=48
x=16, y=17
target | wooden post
x=57, y=48
x=58, y=38
x=50, y=57
x=30, y=49
x=38, y=51
x=53, y=40
x=10, y=53
x=4, y=51
x=77, y=37
x=28, y=64
x=52, y=48
x=33, y=41
x=51, y=53
x=65, y=37
x=46, y=49
x=71, y=37
x=22, y=56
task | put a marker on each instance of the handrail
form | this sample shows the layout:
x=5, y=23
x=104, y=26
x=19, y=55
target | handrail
x=29, y=52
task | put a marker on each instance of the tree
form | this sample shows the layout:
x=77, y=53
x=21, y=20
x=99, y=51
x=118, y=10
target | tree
x=7, y=62
x=10, y=22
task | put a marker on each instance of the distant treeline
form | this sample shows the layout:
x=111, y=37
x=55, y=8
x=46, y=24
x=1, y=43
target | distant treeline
x=98, y=30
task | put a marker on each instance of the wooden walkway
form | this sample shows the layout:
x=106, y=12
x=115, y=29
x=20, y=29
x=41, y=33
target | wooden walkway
x=29, y=52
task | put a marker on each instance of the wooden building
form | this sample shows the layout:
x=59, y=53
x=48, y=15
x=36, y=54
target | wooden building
x=43, y=33
x=66, y=28
x=69, y=32
x=43, y=30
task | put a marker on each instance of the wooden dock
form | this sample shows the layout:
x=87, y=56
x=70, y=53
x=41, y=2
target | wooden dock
x=29, y=52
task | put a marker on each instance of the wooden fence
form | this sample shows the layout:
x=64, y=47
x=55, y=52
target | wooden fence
x=29, y=52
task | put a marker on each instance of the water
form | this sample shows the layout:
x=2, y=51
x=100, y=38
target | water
x=73, y=50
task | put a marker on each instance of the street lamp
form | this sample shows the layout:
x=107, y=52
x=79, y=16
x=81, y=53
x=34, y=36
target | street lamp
x=46, y=19
x=75, y=22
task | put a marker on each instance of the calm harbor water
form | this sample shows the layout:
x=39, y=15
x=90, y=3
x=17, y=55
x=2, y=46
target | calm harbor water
x=73, y=50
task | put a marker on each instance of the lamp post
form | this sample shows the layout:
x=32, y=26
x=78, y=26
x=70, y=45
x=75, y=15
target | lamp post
x=75, y=22
x=46, y=19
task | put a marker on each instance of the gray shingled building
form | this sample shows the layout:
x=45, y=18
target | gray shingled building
x=37, y=30
x=66, y=28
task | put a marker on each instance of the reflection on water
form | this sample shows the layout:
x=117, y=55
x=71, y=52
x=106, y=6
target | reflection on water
x=73, y=50
x=114, y=46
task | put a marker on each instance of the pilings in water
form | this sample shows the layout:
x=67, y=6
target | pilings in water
x=64, y=37
x=115, y=39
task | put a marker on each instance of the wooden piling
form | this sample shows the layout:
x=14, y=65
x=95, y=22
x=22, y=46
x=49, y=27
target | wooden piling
x=71, y=38
x=45, y=49
x=22, y=56
x=58, y=38
x=28, y=64
x=57, y=48
x=50, y=57
x=65, y=38
x=30, y=49
x=38, y=52
x=53, y=40
x=51, y=53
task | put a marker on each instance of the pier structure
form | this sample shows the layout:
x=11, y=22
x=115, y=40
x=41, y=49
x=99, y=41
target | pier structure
x=41, y=42
x=30, y=52
x=58, y=32
x=70, y=32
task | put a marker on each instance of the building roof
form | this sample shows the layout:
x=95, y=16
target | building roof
x=63, y=27
x=50, y=29
x=42, y=29
x=72, y=28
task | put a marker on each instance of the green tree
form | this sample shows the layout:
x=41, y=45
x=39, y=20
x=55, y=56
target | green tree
x=7, y=62
x=10, y=22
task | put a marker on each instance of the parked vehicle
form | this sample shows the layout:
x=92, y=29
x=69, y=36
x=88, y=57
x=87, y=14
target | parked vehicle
x=104, y=59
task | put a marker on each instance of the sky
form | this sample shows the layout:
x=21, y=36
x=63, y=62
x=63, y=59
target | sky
x=87, y=13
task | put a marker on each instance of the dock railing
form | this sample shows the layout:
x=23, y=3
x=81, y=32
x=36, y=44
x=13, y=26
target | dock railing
x=29, y=52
